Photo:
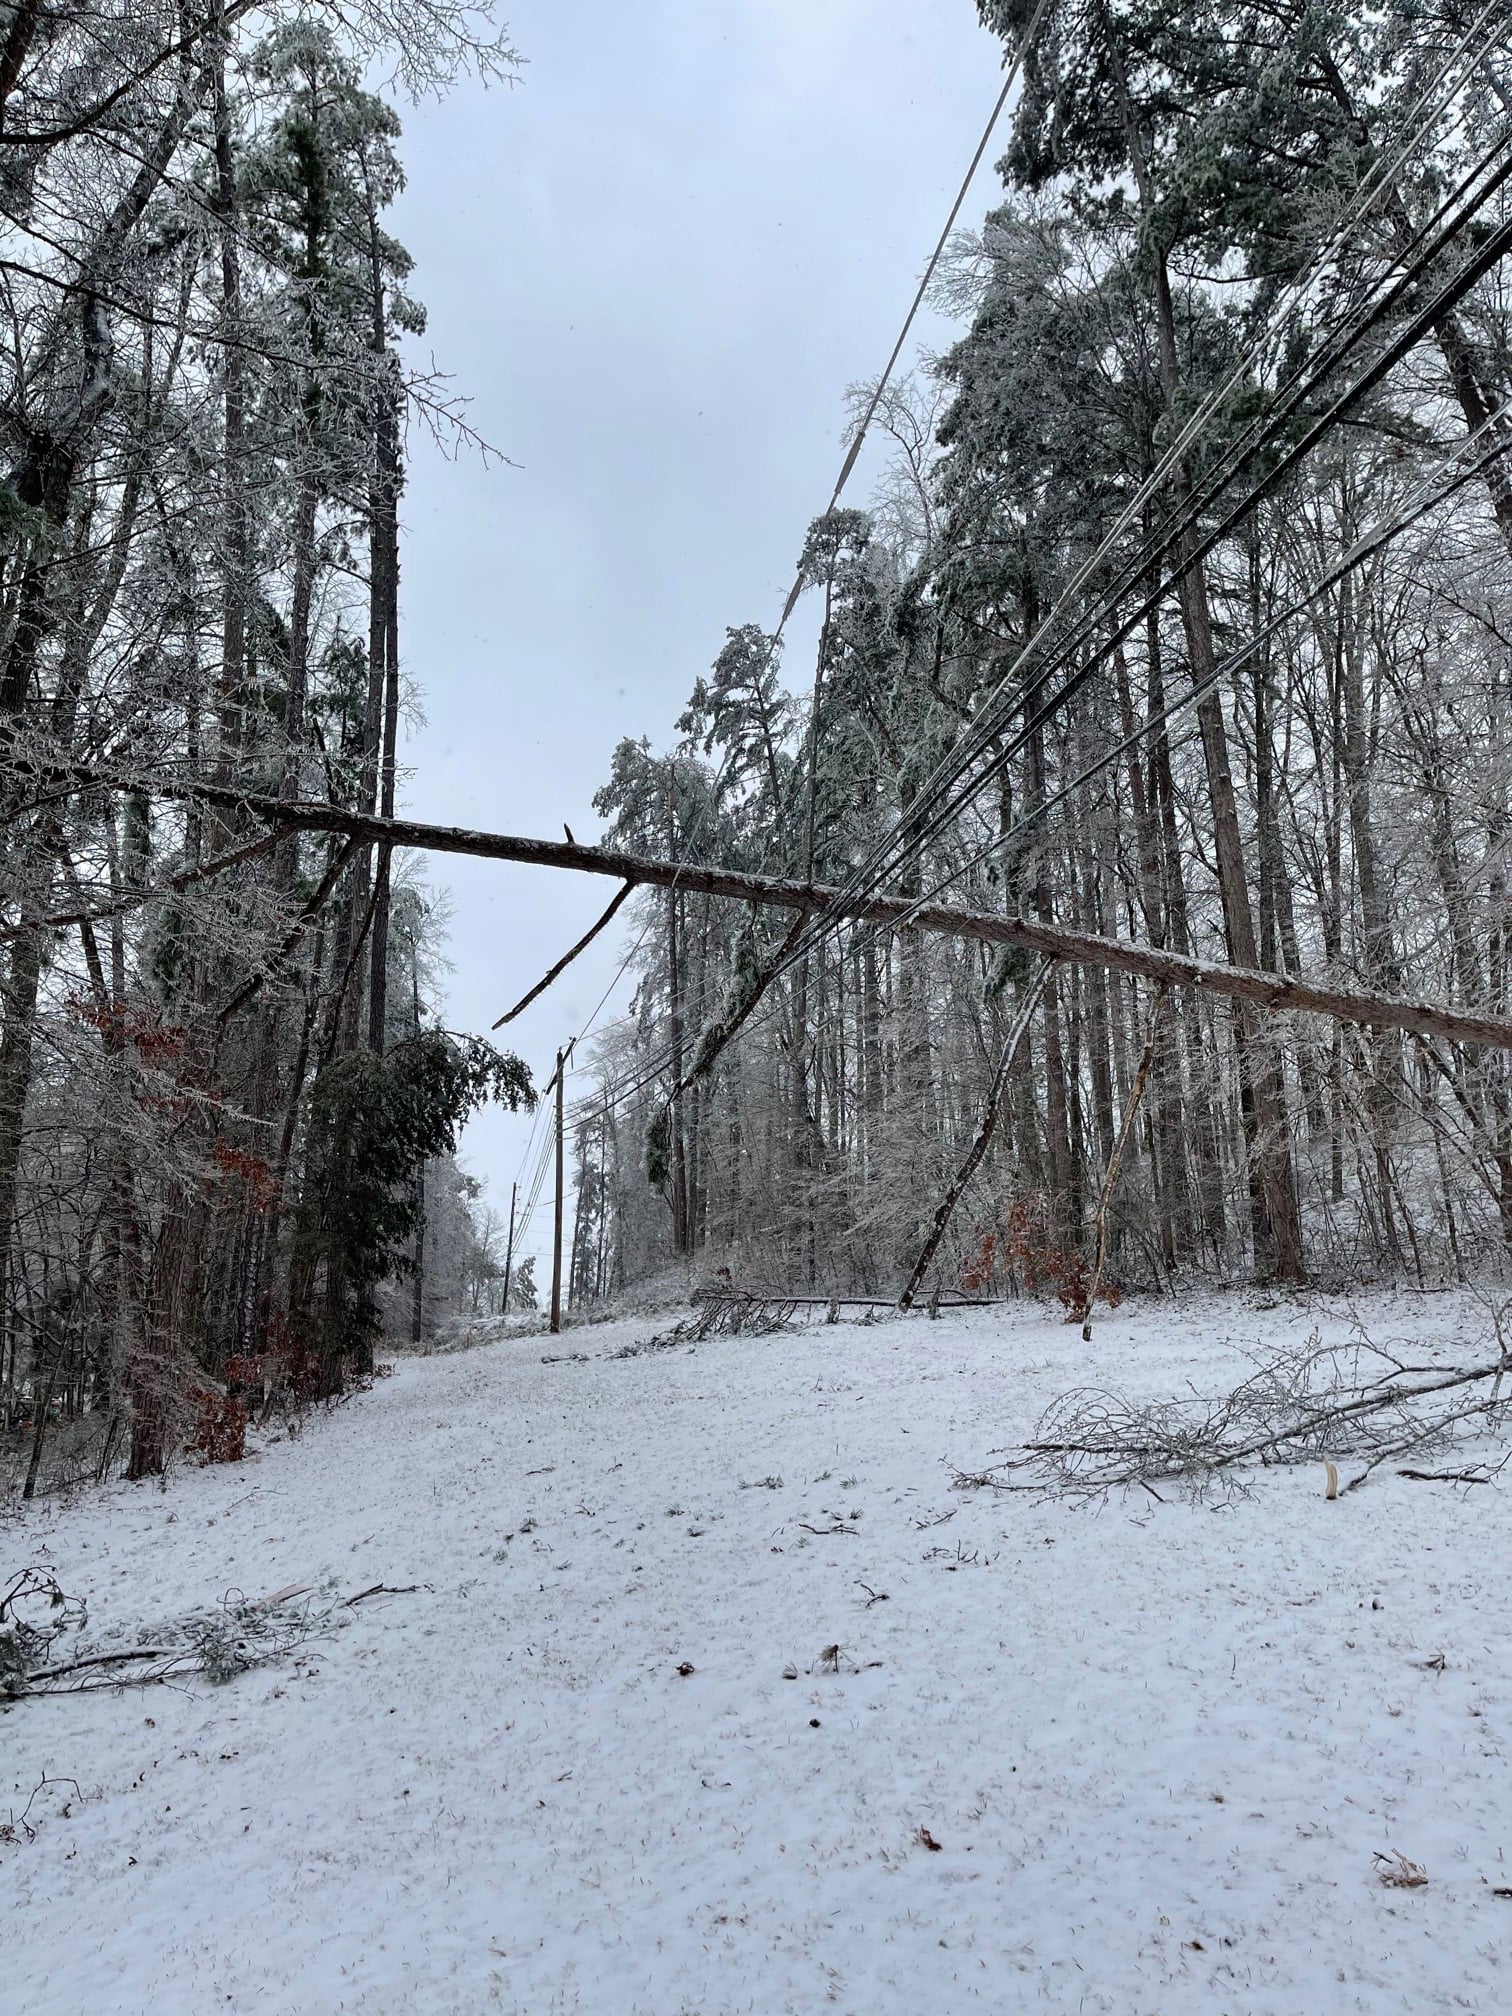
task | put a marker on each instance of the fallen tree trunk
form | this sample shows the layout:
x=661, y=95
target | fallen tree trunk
x=1276, y=993
x=567, y=958
x=951, y=1299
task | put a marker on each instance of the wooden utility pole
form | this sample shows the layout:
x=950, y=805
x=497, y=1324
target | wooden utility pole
x=509, y=1250
x=561, y=1164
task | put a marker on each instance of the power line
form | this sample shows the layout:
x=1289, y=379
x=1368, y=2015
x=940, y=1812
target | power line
x=1363, y=548
x=920, y=824
x=1324, y=360
x=1025, y=43
x=1201, y=421
x=1489, y=255
x=858, y=439
x=1429, y=494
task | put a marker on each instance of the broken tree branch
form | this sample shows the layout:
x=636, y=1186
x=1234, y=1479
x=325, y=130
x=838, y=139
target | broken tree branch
x=311, y=910
x=1314, y=1406
x=103, y=1659
x=719, y=1034
x=567, y=957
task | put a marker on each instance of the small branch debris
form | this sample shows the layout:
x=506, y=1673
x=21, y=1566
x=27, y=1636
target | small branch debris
x=961, y=1558
x=719, y=1313
x=19, y=1824
x=381, y=1589
x=1485, y=1473
x=1397, y=1873
x=1316, y=1403
x=96, y=1659
x=34, y=1613
x=217, y=1644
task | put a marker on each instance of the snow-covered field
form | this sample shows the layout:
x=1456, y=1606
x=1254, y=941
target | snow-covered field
x=1158, y=1745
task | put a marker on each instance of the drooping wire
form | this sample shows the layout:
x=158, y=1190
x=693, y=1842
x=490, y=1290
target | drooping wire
x=859, y=435
x=1431, y=492
x=867, y=873
x=927, y=817
x=873, y=869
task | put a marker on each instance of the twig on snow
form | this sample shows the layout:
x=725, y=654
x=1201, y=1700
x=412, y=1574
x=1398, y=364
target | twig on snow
x=103, y=1659
x=23, y=1819
x=382, y=1589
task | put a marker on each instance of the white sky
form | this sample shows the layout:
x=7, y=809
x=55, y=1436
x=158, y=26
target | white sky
x=654, y=264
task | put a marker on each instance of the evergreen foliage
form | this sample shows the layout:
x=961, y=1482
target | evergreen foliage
x=375, y=1121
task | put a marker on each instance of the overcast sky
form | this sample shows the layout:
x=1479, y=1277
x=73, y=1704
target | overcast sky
x=654, y=264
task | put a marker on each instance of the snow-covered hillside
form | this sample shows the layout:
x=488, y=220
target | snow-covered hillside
x=1158, y=1745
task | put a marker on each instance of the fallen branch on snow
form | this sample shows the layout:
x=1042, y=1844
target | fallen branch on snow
x=216, y=1644
x=1316, y=1405
x=1481, y=1473
x=380, y=1589
x=34, y=1613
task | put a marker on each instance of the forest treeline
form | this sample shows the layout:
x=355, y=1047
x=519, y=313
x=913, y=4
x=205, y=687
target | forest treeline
x=222, y=1085
x=1181, y=614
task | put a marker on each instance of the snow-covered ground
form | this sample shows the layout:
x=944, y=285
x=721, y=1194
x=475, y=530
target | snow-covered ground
x=1158, y=1745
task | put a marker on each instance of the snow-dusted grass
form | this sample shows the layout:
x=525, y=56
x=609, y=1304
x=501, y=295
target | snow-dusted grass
x=1158, y=1744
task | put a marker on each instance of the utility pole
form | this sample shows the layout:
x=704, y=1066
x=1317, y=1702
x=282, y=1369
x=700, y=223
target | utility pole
x=556, y=1238
x=509, y=1251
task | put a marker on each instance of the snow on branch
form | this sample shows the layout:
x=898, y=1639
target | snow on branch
x=1319, y=1403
